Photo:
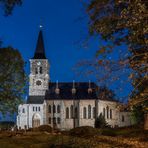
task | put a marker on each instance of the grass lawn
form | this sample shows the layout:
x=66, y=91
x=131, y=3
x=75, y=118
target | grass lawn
x=128, y=138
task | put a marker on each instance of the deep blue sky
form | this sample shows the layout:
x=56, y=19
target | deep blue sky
x=63, y=31
x=65, y=27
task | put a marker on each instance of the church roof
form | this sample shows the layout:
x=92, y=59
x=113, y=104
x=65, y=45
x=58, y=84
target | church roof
x=40, y=50
x=35, y=99
x=66, y=91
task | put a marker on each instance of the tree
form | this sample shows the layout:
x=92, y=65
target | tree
x=105, y=93
x=124, y=22
x=8, y=5
x=12, y=79
x=100, y=122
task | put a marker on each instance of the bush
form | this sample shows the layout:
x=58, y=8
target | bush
x=84, y=131
x=100, y=122
x=44, y=128
x=109, y=132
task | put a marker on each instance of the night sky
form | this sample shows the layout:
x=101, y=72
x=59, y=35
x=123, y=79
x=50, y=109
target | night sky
x=65, y=28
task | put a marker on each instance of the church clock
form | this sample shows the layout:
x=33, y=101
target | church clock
x=38, y=83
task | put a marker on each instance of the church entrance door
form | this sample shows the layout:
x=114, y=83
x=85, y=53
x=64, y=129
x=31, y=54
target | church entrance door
x=36, y=121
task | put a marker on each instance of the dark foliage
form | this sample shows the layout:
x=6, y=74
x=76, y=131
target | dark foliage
x=44, y=128
x=12, y=79
x=8, y=5
x=100, y=122
x=84, y=131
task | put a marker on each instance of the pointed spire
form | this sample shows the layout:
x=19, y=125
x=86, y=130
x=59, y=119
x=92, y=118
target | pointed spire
x=40, y=50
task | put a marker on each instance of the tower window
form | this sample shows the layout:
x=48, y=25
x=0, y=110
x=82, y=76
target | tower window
x=41, y=71
x=36, y=71
x=58, y=109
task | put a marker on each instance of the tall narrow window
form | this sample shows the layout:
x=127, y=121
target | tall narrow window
x=38, y=108
x=23, y=111
x=94, y=112
x=58, y=120
x=49, y=120
x=67, y=113
x=49, y=109
x=58, y=109
x=84, y=113
x=54, y=120
x=71, y=111
x=123, y=118
x=107, y=112
x=89, y=111
x=110, y=113
x=36, y=71
x=104, y=112
x=54, y=109
x=41, y=70
x=33, y=108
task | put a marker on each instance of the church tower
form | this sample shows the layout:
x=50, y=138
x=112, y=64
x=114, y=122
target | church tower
x=39, y=70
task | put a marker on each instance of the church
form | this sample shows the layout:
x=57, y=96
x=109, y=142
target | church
x=64, y=105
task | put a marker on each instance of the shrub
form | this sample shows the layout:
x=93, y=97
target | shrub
x=100, y=122
x=44, y=128
x=84, y=131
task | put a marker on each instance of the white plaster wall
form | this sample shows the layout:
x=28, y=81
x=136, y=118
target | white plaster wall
x=25, y=119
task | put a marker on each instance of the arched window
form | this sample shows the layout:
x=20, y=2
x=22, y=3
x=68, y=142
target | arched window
x=58, y=109
x=76, y=112
x=36, y=71
x=94, y=112
x=67, y=113
x=40, y=70
x=58, y=120
x=49, y=109
x=54, y=109
x=89, y=111
x=107, y=112
x=71, y=111
x=84, y=113
x=110, y=113
x=54, y=120
x=123, y=118
x=49, y=120
x=23, y=111
x=104, y=112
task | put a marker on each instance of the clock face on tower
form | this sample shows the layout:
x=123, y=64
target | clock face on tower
x=38, y=83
